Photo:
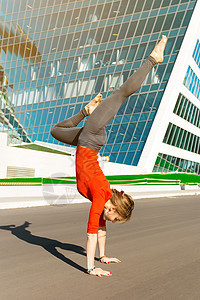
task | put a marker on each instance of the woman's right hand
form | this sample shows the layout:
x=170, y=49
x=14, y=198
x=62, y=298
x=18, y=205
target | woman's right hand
x=99, y=272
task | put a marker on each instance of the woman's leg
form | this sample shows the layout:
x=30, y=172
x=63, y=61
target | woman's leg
x=110, y=106
x=93, y=134
x=66, y=131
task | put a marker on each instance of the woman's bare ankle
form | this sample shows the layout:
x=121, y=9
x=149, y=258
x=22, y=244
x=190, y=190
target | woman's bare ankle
x=90, y=107
x=158, y=51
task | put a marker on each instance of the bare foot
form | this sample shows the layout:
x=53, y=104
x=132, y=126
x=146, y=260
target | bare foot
x=158, y=51
x=90, y=107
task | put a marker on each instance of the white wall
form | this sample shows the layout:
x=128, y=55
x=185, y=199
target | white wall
x=30, y=196
x=165, y=114
x=45, y=164
x=49, y=164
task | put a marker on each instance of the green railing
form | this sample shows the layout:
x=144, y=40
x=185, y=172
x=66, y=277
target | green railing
x=146, y=179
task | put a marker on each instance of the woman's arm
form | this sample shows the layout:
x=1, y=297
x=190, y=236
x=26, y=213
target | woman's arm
x=91, y=247
x=102, y=244
x=95, y=231
x=102, y=241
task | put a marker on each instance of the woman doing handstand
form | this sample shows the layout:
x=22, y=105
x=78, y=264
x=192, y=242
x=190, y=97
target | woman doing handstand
x=107, y=204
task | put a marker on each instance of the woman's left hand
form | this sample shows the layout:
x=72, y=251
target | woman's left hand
x=107, y=260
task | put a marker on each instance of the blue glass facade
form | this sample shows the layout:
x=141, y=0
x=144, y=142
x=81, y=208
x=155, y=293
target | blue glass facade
x=192, y=82
x=180, y=137
x=187, y=110
x=57, y=55
x=196, y=53
x=168, y=163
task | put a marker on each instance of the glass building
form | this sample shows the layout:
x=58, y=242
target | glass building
x=56, y=55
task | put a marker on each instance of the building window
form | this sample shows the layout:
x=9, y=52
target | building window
x=187, y=110
x=192, y=82
x=196, y=53
x=168, y=163
x=181, y=138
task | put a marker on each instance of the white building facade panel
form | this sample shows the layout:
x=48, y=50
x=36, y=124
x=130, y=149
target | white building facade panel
x=154, y=144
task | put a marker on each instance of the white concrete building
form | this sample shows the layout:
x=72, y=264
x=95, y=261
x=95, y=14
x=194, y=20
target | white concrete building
x=174, y=139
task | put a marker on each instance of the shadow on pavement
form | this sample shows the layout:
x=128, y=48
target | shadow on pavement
x=49, y=245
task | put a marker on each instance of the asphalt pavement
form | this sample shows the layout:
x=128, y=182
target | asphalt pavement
x=42, y=253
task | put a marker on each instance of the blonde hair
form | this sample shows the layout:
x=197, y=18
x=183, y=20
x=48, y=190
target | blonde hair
x=124, y=204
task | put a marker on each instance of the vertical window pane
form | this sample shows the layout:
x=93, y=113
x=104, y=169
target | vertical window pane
x=168, y=21
x=82, y=15
x=106, y=34
x=140, y=27
x=123, y=31
x=139, y=6
x=165, y=3
x=115, y=33
x=99, y=35
x=187, y=17
x=159, y=23
x=148, y=5
x=168, y=72
x=132, y=53
x=131, y=6
x=99, y=84
x=114, y=9
x=178, y=19
x=131, y=29
x=123, y=6
x=178, y=44
x=140, y=52
x=149, y=25
x=156, y=4
x=106, y=11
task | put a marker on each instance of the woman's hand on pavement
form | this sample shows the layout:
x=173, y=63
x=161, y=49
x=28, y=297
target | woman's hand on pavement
x=99, y=272
x=107, y=260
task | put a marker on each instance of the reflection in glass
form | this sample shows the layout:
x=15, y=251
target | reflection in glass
x=56, y=55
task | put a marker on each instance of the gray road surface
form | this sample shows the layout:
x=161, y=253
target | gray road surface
x=42, y=253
